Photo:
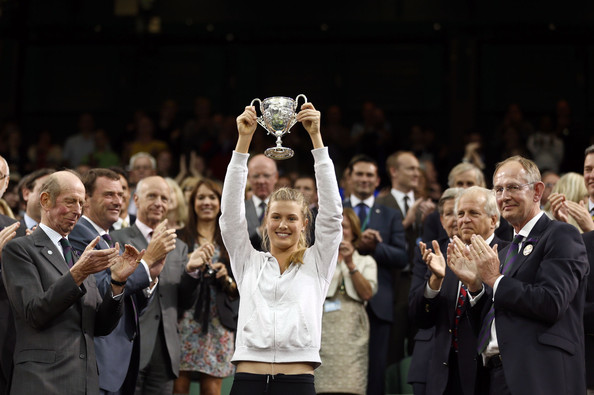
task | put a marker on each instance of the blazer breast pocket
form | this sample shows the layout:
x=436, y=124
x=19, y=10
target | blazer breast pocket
x=557, y=341
x=39, y=356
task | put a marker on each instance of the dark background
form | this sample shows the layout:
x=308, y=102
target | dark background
x=453, y=66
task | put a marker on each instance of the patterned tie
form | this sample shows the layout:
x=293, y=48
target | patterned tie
x=67, y=249
x=362, y=208
x=459, y=309
x=107, y=239
x=262, y=210
x=485, y=332
x=592, y=213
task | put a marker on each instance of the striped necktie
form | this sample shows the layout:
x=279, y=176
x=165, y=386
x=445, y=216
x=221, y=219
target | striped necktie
x=362, y=214
x=107, y=239
x=485, y=332
x=67, y=249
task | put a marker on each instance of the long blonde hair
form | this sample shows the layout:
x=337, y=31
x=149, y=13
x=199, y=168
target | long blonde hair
x=291, y=195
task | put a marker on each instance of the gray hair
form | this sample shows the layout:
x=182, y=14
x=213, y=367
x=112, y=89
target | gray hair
x=463, y=168
x=448, y=194
x=142, y=155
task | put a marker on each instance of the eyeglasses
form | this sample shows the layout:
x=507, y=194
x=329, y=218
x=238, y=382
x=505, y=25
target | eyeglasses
x=512, y=189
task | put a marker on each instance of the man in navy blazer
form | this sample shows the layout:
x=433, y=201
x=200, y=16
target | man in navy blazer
x=528, y=297
x=425, y=337
x=383, y=238
x=453, y=362
x=57, y=306
x=118, y=353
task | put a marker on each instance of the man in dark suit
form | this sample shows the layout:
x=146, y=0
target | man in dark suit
x=589, y=312
x=529, y=312
x=118, y=353
x=383, y=238
x=159, y=341
x=306, y=184
x=442, y=302
x=57, y=307
x=29, y=188
x=424, y=339
x=405, y=172
x=8, y=230
x=262, y=176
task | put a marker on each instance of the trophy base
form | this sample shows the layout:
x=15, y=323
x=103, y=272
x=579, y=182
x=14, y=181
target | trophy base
x=279, y=153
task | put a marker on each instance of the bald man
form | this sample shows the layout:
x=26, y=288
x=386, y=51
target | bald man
x=56, y=303
x=262, y=176
x=160, y=346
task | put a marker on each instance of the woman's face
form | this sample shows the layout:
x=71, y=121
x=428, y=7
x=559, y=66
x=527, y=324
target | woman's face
x=347, y=229
x=206, y=204
x=284, y=224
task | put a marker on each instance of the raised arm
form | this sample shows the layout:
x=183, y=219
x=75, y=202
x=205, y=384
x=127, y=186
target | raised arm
x=246, y=126
x=310, y=119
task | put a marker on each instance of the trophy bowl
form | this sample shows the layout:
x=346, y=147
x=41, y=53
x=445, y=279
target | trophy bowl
x=278, y=117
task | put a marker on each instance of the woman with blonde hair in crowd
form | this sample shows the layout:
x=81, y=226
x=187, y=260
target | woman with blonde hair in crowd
x=177, y=210
x=568, y=202
x=345, y=325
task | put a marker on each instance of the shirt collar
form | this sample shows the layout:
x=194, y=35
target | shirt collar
x=144, y=229
x=368, y=202
x=525, y=231
x=99, y=229
x=54, y=236
x=399, y=196
x=257, y=200
x=30, y=222
x=590, y=204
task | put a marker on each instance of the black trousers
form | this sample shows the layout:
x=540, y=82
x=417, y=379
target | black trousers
x=278, y=384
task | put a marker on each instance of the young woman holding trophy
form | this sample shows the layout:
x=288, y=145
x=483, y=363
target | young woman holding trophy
x=282, y=290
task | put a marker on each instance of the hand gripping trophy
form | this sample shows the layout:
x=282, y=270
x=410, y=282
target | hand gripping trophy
x=279, y=114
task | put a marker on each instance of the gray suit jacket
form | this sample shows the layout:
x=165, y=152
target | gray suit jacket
x=175, y=292
x=7, y=333
x=55, y=319
x=251, y=215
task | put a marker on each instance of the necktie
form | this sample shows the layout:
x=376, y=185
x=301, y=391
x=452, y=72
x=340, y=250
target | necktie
x=459, y=309
x=262, y=210
x=485, y=332
x=362, y=208
x=67, y=249
x=124, y=224
x=107, y=239
x=405, y=206
x=592, y=213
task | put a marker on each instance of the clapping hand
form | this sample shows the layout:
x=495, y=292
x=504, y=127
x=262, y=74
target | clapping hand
x=436, y=263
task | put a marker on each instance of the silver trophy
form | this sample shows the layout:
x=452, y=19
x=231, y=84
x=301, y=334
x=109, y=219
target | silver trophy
x=278, y=116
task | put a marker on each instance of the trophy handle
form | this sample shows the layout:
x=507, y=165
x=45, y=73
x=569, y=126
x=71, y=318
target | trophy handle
x=260, y=119
x=297, y=101
x=257, y=100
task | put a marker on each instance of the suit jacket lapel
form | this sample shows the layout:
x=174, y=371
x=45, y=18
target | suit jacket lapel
x=137, y=238
x=532, y=238
x=49, y=251
x=102, y=245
